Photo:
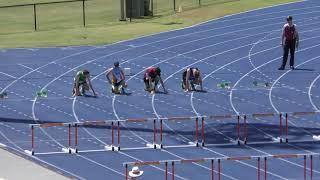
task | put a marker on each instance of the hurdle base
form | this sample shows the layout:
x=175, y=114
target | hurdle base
x=277, y=139
x=31, y=153
x=239, y=142
x=196, y=144
x=154, y=146
x=236, y=141
x=316, y=138
x=69, y=150
x=112, y=148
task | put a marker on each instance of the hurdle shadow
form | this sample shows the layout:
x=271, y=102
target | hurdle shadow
x=218, y=133
x=26, y=121
x=255, y=135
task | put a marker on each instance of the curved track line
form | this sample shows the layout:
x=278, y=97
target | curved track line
x=231, y=91
x=236, y=111
x=183, y=54
x=38, y=159
x=8, y=75
x=233, y=25
x=309, y=94
x=59, y=59
x=271, y=88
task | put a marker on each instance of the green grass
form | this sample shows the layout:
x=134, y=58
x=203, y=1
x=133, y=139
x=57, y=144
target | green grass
x=61, y=25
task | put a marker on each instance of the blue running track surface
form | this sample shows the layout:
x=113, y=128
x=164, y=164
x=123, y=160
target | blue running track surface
x=243, y=50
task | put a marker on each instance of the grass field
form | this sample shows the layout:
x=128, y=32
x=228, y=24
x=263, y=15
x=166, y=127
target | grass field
x=61, y=24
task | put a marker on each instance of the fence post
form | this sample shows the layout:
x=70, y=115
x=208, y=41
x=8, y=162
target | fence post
x=131, y=6
x=35, y=17
x=83, y=13
x=174, y=5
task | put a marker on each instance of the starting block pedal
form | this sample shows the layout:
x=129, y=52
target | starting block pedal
x=224, y=85
x=41, y=94
x=3, y=95
x=261, y=84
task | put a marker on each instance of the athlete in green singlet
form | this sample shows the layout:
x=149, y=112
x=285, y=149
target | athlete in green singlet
x=82, y=83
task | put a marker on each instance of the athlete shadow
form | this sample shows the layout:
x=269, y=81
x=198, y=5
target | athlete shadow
x=124, y=94
x=161, y=92
x=90, y=96
x=201, y=91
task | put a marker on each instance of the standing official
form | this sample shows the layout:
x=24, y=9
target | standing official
x=289, y=41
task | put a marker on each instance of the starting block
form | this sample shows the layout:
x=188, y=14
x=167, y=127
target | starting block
x=224, y=85
x=41, y=94
x=261, y=84
x=127, y=71
x=3, y=95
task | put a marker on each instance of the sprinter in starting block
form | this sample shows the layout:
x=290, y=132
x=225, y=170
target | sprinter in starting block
x=151, y=78
x=116, y=78
x=82, y=83
x=191, y=77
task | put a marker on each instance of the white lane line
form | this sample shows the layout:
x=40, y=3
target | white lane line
x=231, y=91
x=22, y=151
x=224, y=18
x=26, y=67
x=8, y=76
x=275, y=82
x=55, y=60
x=309, y=93
x=233, y=26
x=197, y=164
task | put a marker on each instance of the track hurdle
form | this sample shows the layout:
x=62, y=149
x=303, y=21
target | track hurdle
x=115, y=126
x=282, y=130
x=67, y=149
x=224, y=117
x=199, y=136
x=300, y=114
x=218, y=172
x=195, y=142
x=154, y=144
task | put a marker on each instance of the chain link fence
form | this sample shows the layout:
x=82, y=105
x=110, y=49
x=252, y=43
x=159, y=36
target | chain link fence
x=82, y=13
